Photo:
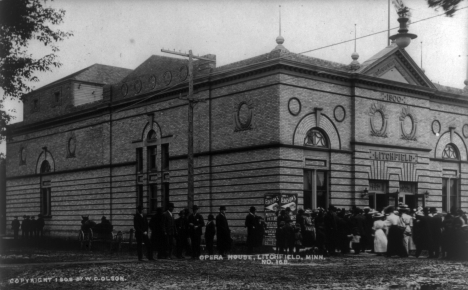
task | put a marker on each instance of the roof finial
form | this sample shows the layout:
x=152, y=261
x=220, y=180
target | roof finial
x=280, y=39
x=354, y=37
x=280, y=20
x=355, y=63
x=402, y=38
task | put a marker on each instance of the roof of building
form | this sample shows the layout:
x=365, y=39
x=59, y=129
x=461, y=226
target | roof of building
x=96, y=73
x=276, y=53
x=281, y=51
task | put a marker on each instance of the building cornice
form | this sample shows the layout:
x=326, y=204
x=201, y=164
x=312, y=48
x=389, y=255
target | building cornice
x=269, y=67
x=391, y=146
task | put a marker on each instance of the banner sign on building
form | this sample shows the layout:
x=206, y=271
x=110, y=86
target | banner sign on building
x=273, y=204
x=393, y=156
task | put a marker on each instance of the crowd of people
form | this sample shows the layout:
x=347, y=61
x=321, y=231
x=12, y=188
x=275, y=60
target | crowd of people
x=392, y=232
x=179, y=237
x=397, y=231
x=30, y=227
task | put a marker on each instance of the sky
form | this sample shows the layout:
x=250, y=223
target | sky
x=124, y=33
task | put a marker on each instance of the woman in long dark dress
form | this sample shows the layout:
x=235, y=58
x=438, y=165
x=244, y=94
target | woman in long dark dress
x=395, y=235
x=422, y=232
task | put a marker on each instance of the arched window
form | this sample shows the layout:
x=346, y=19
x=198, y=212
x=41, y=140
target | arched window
x=45, y=191
x=151, y=135
x=450, y=152
x=45, y=167
x=316, y=138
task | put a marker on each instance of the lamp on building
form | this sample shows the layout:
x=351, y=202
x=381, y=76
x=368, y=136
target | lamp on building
x=365, y=193
x=426, y=194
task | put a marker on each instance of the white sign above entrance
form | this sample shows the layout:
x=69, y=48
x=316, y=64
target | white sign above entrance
x=393, y=156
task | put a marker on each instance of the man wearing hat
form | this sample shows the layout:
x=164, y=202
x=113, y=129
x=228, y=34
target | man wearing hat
x=196, y=223
x=33, y=226
x=181, y=229
x=223, y=233
x=15, y=225
x=140, y=223
x=169, y=229
x=210, y=232
x=406, y=221
x=330, y=222
x=368, y=243
x=40, y=225
x=25, y=227
x=250, y=225
x=423, y=234
x=435, y=223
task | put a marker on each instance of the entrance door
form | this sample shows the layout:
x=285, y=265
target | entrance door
x=377, y=197
x=409, y=194
x=315, y=189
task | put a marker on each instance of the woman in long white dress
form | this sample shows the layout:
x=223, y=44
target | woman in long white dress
x=380, y=238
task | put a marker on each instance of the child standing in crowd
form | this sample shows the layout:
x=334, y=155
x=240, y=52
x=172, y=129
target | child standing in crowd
x=209, y=234
x=297, y=238
x=356, y=241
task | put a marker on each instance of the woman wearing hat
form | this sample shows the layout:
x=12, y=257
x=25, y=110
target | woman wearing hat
x=380, y=238
x=395, y=235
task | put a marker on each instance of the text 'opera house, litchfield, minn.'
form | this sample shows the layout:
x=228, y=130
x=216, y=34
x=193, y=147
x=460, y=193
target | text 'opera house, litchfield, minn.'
x=105, y=139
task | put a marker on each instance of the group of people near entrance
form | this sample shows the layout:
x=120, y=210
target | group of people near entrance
x=399, y=231
x=392, y=232
x=182, y=236
x=30, y=227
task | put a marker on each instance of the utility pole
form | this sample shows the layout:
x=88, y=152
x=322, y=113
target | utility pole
x=191, y=104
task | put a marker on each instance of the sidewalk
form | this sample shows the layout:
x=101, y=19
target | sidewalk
x=69, y=263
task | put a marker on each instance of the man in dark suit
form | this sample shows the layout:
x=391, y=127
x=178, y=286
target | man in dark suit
x=15, y=225
x=170, y=230
x=251, y=232
x=181, y=229
x=435, y=223
x=25, y=227
x=330, y=221
x=196, y=223
x=140, y=223
x=40, y=225
x=423, y=236
x=33, y=224
x=223, y=233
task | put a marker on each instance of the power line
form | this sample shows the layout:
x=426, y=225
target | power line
x=424, y=19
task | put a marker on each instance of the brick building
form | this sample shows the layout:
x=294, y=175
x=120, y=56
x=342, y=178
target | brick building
x=105, y=139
